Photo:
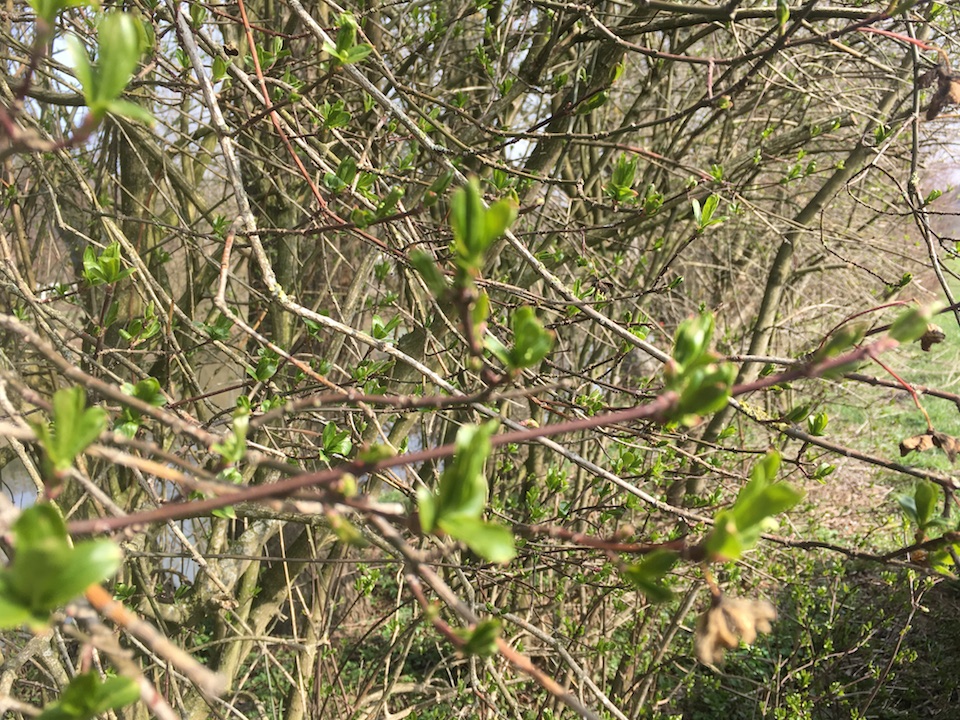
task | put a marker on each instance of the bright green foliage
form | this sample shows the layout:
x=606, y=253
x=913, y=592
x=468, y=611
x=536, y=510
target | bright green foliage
x=737, y=529
x=105, y=268
x=147, y=390
x=841, y=340
x=691, y=343
x=706, y=391
x=911, y=325
x=344, y=177
x=46, y=570
x=141, y=329
x=817, y=424
x=335, y=442
x=346, y=51
x=234, y=445
x=457, y=506
x=704, y=216
x=120, y=43
x=88, y=696
x=73, y=427
x=476, y=227
x=47, y=10
x=920, y=507
x=783, y=16
x=652, y=200
x=437, y=188
x=424, y=264
x=620, y=187
x=593, y=102
x=267, y=365
x=702, y=383
x=481, y=639
x=531, y=342
x=647, y=575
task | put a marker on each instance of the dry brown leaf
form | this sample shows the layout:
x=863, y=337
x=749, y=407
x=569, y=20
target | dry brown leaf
x=949, y=444
x=948, y=89
x=917, y=442
x=933, y=336
x=729, y=622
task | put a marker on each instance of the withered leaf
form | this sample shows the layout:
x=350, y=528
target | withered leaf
x=949, y=444
x=917, y=442
x=933, y=336
x=948, y=90
x=727, y=623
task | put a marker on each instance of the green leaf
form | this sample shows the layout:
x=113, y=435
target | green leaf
x=646, y=574
x=347, y=170
x=86, y=563
x=498, y=350
x=147, y=390
x=481, y=639
x=706, y=390
x=783, y=16
x=424, y=264
x=119, y=49
x=531, y=342
x=593, y=102
x=81, y=67
x=356, y=54
x=347, y=33
x=491, y=541
x=13, y=612
x=843, y=339
x=234, y=446
x=479, y=314
x=132, y=111
x=816, y=424
x=476, y=227
x=463, y=488
x=73, y=428
x=737, y=529
x=47, y=10
x=88, y=696
x=692, y=341
x=926, y=495
x=46, y=571
x=772, y=500
x=725, y=541
x=908, y=504
x=911, y=324
x=427, y=509
x=497, y=218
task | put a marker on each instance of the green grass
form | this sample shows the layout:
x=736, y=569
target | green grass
x=875, y=420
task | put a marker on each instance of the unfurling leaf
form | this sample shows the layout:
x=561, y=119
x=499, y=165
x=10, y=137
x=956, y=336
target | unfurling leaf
x=73, y=428
x=737, y=529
